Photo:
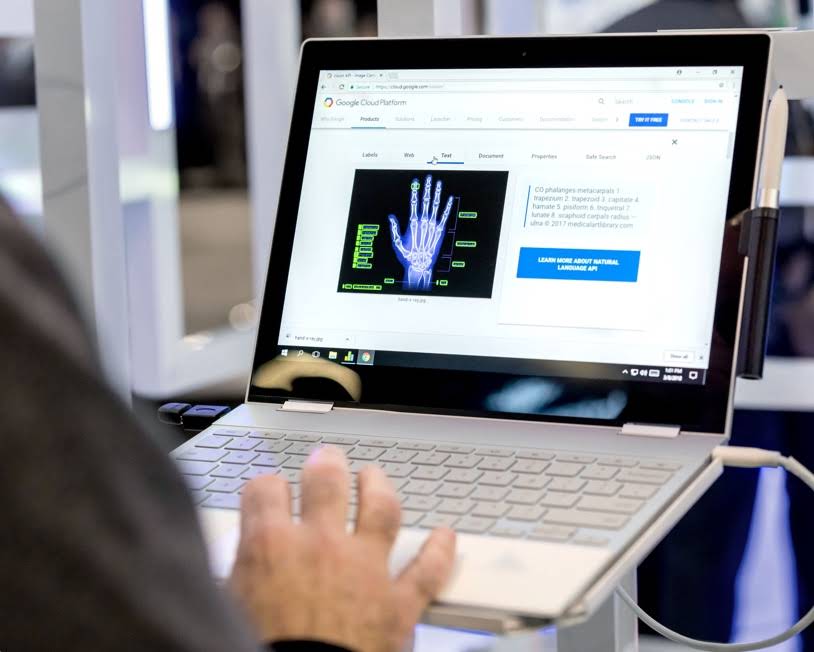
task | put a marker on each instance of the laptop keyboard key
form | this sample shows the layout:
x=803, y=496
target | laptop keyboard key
x=226, y=485
x=463, y=475
x=432, y=521
x=307, y=437
x=196, y=481
x=455, y=448
x=600, y=472
x=240, y=457
x=410, y=517
x=552, y=533
x=194, y=468
x=637, y=491
x=415, y=446
x=270, y=459
x=579, y=518
x=340, y=440
x=496, y=464
x=212, y=441
x=302, y=448
x=562, y=501
x=612, y=505
x=455, y=506
x=524, y=497
x=525, y=513
x=564, y=469
x=420, y=503
x=229, y=432
x=463, y=461
x=224, y=501
x=291, y=475
x=267, y=434
x=535, y=455
x=398, y=456
x=454, y=490
x=366, y=453
x=243, y=444
x=529, y=466
x=271, y=446
x=295, y=461
x=531, y=481
x=354, y=466
x=569, y=485
x=492, y=494
x=421, y=487
x=601, y=488
x=398, y=470
x=497, y=478
x=474, y=524
x=490, y=510
x=380, y=443
x=430, y=459
x=660, y=466
x=509, y=531
x=626, y=462
x=576, y=459
x=201, y=454
x=643, y=477
x=496, y=452
x=429, y=472
x=255, y=471
x=229, y=471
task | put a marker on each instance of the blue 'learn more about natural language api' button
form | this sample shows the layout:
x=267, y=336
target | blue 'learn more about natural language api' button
x=648, y=119
x=579, y=264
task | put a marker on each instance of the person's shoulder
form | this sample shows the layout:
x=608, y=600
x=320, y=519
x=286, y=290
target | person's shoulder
x=33, y=292
x=25, y=255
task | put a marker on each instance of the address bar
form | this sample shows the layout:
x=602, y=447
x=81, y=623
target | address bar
x=530, y=86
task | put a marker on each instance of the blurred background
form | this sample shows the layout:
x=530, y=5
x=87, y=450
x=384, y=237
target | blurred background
x=202, y=94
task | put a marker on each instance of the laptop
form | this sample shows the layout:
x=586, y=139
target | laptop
x=503, y=270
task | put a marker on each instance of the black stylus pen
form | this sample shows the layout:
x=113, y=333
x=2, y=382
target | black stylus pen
x=761, y=243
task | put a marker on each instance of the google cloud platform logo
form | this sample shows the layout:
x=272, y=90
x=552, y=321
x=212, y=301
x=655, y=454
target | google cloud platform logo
x=328, y=102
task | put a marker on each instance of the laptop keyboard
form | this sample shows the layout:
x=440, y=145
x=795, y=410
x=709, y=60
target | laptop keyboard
x=532, y=493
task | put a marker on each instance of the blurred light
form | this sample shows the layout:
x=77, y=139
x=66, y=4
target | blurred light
x=157, y=51
x=198, y=341
x=243, y=317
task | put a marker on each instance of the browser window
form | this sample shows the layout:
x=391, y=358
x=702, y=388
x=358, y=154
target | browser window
x=487, y=218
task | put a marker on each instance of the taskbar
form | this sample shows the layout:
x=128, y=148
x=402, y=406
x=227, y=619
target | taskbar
x=489, y=364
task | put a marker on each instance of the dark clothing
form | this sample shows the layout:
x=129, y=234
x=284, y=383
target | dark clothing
x=100, y=548
x=681, y=14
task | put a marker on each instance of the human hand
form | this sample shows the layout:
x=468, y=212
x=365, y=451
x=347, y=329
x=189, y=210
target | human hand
x=315, y=581
x=418, y=249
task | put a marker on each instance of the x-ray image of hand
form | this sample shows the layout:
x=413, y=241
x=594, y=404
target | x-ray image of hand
x=417, y=250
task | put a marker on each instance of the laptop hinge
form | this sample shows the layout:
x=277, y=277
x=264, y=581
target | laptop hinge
x=314, y=407
x=650, y=430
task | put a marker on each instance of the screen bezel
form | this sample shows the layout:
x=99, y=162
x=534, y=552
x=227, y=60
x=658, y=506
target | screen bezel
x=695, y=408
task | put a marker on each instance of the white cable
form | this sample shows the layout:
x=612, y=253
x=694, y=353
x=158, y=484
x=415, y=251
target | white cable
x=735, y=456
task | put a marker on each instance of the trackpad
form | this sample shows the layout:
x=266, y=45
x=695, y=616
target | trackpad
x=520, y=577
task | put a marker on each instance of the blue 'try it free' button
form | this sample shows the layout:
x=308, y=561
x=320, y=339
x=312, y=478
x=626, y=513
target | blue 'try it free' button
x=648, y=119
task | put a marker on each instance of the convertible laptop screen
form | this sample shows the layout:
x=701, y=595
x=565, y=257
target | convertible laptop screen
x=499, y=220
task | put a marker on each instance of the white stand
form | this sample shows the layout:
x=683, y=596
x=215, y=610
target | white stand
x=613, y=628
x=82, y=212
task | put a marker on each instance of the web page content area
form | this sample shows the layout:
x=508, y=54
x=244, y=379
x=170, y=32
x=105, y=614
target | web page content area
x=566, y=215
